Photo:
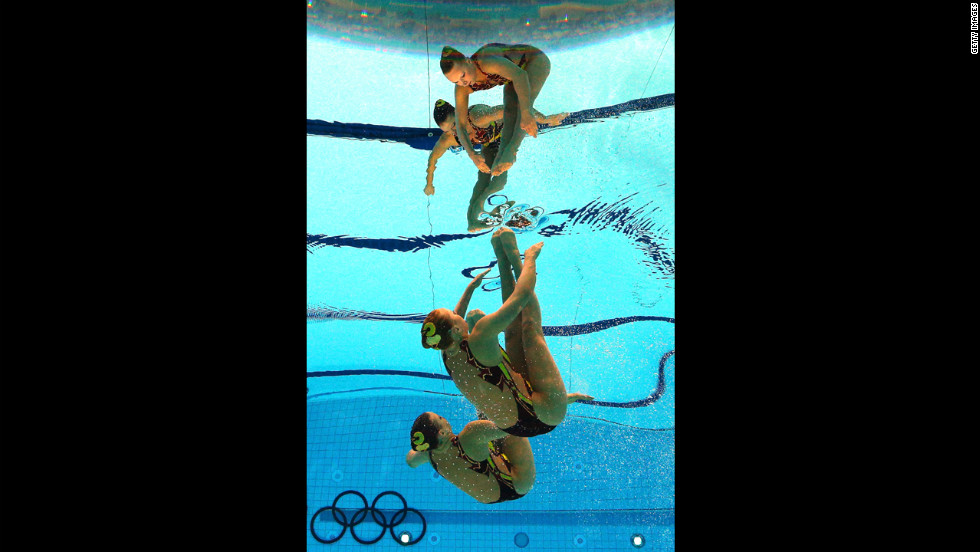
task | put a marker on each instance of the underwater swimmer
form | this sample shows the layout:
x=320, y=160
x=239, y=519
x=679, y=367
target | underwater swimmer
x=484, y=127
x=522, y=69
x=518, y=388
x=490, y=471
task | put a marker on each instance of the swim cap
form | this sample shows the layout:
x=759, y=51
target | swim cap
x=429, y=329
x=449, y=56
x=442, y=110
x=437, y=330
x=425, y=435
x=418, y=441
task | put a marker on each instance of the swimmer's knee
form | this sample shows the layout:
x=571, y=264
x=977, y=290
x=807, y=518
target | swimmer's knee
x=524, y=482
x=473, y=317
x=552, y=411
x=531, y=326
x=519, y=450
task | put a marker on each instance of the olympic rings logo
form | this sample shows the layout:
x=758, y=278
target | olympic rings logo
x=361, y=515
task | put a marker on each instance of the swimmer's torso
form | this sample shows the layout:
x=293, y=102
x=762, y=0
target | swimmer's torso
x=484, y=135
x=519, y=54
x=495, y=401
x=475, y=478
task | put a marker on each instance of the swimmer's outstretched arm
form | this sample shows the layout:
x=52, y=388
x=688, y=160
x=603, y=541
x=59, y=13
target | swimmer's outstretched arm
x=464, y=301
x=476, y=435
x=416, y=458
x=444, y=142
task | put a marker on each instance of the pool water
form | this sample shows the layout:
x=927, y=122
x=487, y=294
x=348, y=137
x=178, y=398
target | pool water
x=381, y=255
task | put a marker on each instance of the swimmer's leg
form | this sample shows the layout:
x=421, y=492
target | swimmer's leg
x=498, y=182
x=475, y=209
x=479, y=199
x=477, y=203
x=513, y=335
x=485, y=187
x=550, y=120
x=512, y=135
x=518, y=452
x=550, y=397
x=508, y=136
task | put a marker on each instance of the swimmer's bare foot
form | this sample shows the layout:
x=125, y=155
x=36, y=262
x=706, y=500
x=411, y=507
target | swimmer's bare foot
x=478, y=226
x=503, y=235
x=505, y=160
x=575, y=397
x=498, y=251
x=499, y=210
x=533, y=251
x=508, y=244
x=505, y=249
x=556, y=119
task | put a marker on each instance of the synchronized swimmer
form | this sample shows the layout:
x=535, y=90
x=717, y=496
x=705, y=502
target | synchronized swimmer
x=488, y=471
x=484, y=128
x=522, y=69
x=518, y=390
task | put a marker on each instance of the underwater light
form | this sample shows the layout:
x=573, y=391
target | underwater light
x=404, y=537
x=521, y=540
x=637, y=540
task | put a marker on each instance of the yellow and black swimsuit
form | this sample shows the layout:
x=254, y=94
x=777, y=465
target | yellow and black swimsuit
x=488, y=136
x=528, y=424
x=489, y=467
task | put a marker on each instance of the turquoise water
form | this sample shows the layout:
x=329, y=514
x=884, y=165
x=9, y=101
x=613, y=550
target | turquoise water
x=381, y=254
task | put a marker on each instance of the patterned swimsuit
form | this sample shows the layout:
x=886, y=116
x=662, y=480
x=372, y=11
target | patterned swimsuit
x=528, y=424
x=487, y=136
x=488, y=467
x=494, y=79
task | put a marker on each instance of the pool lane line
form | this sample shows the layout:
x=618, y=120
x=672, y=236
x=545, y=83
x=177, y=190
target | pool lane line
x=322, y=314
x=654, y=396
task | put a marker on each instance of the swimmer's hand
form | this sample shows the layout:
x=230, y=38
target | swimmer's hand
x=575, y=397
x=475, y=282
x=528, y=124
x=480, y=162
x=429, y=189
